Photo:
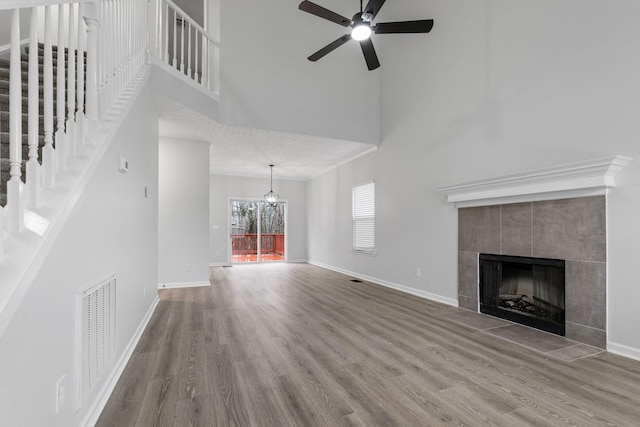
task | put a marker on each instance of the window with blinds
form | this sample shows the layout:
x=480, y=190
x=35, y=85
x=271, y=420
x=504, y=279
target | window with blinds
x=364, y=218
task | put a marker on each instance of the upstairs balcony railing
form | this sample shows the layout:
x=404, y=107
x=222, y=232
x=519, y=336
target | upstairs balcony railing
x=183, y=44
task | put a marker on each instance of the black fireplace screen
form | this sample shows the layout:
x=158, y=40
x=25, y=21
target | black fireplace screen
x=524, y=290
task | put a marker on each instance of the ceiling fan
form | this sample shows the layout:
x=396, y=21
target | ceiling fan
x=361, y=28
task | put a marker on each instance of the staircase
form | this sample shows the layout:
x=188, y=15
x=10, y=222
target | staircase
x=65, y=186
x=117, y=54
x=4, y=112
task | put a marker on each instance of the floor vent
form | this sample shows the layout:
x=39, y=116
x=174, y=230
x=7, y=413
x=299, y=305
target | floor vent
x=356, y=280
x=96, y=329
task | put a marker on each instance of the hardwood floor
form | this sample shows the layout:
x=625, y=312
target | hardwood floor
x=297, y=345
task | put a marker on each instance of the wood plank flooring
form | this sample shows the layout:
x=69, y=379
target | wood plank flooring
x=297, y=345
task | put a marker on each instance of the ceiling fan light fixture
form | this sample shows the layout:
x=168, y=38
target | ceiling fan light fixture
x=361, y=31
x=361, y=26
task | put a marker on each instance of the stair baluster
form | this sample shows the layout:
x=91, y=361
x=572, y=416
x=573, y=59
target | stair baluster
x=181, y=44
x=80, y=63
x=48, y=152
x=196, y=75
x=189, y=52
x=71, y=86
x=32, y=186
x=15, y=186
x=166, y=32
x=110, y=53
x=205, y=62
x=91, y=106
x=60, y=137
x=104, y=63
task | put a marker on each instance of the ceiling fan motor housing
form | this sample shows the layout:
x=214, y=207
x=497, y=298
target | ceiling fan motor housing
x=361, y=28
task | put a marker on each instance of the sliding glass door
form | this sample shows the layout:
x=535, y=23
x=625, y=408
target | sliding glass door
x=257, y=231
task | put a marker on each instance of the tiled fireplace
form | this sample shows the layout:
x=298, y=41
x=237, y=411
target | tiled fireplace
x=573, y=230
x=556, y=214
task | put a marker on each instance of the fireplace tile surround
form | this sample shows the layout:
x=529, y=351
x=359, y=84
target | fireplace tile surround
x=571, y=229
x=556, y=212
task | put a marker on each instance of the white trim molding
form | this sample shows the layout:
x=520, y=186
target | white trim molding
x=587, y=178
x=397, y=287
x=219, y=264
x=623, y=350
x=183, y=285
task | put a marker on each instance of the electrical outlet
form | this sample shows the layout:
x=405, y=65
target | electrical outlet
x=60, y=393
x=418, y=272
x=187, y=267
x=144, y=293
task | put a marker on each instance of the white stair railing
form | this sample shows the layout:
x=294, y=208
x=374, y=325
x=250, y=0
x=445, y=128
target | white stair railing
x=79, y=99
x=122, y=47
x=183, y=44
x=111, y=34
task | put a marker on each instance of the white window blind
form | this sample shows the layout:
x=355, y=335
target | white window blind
x=364, y=217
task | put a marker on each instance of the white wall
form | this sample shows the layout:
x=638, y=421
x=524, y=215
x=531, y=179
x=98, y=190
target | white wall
x=5, y=26
x=111, y=230
x=498, y=86
x=268, y=83
x=183, y=213
x=223, y=187
x=193, y=8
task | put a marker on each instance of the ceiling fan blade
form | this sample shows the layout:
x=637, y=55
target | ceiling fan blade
x=420, y=26
x=373, y=7
x=369, y=54
x=330, y=47
x=321, y=12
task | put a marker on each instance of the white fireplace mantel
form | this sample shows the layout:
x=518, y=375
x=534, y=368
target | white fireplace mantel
x=587, y=178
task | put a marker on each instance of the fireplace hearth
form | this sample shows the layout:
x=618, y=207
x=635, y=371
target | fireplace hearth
x=529, y=291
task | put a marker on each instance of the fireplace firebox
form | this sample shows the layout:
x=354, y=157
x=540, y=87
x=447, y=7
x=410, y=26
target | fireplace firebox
x=529, y=291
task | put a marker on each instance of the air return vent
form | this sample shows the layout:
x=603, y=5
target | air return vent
x=96, y=330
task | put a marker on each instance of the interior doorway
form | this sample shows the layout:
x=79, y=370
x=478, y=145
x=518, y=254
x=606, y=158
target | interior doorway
x=257, y=231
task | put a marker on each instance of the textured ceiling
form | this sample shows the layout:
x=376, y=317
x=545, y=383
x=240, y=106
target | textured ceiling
x=248, y=152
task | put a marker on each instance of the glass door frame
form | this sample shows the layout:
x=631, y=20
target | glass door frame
x=259, y=202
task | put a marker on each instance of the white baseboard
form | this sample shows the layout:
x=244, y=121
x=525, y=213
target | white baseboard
x=298, y=261
x=100, y=401
x=218, y=264
x=401, y=288
x=183, y=285
x=623, y=350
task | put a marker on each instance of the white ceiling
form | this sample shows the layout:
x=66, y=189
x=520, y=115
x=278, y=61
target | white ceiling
x=249, y=152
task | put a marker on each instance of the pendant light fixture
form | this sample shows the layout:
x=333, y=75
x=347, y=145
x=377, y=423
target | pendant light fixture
x=271, y=198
